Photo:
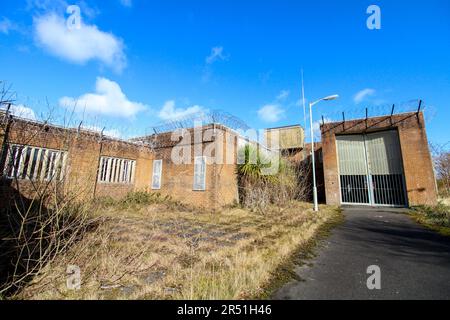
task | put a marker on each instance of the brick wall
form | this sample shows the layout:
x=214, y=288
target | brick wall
x=84, y=150
x=417, y=162
x=178, y=179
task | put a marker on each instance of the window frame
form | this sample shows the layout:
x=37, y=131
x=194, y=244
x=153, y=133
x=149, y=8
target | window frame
x=158, y=187
x=114, y=170
x=33, y=163
x=203, y=184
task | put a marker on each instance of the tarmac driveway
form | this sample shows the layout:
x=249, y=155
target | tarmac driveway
x=414, y=261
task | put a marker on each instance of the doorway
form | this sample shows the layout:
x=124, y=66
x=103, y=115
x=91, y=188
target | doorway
x=371, y=169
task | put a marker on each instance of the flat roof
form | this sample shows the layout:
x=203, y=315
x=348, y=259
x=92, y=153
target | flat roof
x=373, y=117
x=285, y=127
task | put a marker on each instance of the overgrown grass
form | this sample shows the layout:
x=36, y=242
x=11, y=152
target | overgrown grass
x=34, y=233
x=152, y=252
x=304, y=252
x=137, y=199
x=434, y=217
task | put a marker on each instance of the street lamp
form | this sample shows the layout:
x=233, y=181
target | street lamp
x=328, y=98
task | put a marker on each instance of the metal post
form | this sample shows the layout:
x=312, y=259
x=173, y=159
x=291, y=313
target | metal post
x=328, y=98
x=343, y=120
x=367, y=116
x=98, y=163
x=4, y=147
x=316, y=205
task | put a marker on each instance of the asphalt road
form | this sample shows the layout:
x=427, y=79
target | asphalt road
x=414, y=261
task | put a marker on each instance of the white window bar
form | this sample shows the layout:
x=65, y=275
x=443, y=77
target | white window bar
x=115, y=170
x=25, y=162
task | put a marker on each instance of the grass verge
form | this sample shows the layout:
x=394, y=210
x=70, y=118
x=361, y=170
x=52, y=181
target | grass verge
x=158, y=252
x=304, y=252
x=436, y=217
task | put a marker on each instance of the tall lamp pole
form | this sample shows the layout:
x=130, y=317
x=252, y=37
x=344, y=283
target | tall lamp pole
x=333, y=97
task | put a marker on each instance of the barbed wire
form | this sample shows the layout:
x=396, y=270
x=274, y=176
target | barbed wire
x=204, y=117
x=369, y=111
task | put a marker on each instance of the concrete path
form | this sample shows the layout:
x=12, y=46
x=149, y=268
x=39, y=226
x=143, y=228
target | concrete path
x=414, y=261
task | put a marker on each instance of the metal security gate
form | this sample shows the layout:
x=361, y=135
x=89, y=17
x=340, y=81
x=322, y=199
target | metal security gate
x=371, y=170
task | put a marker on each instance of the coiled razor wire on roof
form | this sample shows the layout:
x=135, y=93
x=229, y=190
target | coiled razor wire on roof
x=386, y=109
x=200, y=118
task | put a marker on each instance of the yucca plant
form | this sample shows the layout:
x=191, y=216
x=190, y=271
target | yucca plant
x=258, y=190
x=255, y=161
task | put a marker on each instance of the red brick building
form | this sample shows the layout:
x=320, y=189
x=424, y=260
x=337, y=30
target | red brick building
x=374, y=161
x=381, y=161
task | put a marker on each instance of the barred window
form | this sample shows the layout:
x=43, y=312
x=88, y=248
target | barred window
x=199, y=174
x=116, y=170
x=157, y=174
x=34, y=163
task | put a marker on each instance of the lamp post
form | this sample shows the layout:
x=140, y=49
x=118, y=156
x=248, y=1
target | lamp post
x=328, y=98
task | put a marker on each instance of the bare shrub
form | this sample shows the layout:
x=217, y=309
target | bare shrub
x=441, y=159
x=40, y=217
x=34, y=234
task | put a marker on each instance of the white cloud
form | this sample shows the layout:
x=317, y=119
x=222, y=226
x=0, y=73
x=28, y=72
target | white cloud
x=271, y=112
x=216, y=54
x=6, y=26
x=108, y=99
x=170, y=112
x=78, y=45
x=363, y=95
x=126, y=3
x=316, y=129
x=284, y=94
x=46, y=5
x=23, y=112
x=60, y=6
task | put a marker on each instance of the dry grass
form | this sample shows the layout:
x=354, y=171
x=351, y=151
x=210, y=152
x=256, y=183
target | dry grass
x=153, y=252
x=434, y=217
x=445, y=201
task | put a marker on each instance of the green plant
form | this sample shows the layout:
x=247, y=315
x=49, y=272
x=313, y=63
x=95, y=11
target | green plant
x=255, y=161
x=258, y=190
x=435, y=217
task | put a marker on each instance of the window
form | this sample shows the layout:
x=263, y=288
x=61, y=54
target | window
x=157, y=172
x=116, y=170
x=33, y=163
x=200, y=173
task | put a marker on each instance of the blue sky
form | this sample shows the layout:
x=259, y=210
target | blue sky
x=135, y=63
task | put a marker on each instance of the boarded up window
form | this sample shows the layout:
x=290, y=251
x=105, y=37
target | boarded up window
x=200, y=173
x=157, y=172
